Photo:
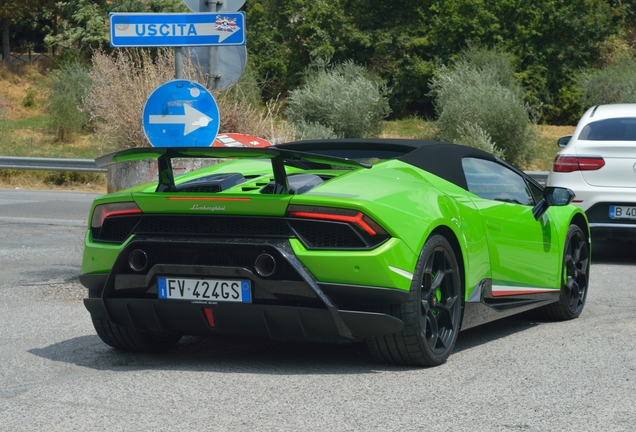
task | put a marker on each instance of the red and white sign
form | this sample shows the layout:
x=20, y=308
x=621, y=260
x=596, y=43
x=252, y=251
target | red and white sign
x=239, y=140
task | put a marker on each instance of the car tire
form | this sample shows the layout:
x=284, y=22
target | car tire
x=431, y=316
x=130, y=339
x=574, y=278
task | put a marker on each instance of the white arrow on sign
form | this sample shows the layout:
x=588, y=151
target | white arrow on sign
x=145, y=30
x=192, y=120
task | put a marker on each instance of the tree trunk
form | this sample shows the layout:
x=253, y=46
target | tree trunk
x=6, y=48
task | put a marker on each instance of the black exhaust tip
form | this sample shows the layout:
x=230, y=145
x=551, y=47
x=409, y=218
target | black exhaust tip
x=138, y=260
x=265, y=265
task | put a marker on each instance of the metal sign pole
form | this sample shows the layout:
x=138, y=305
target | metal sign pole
x=213, y=78
x=178, y=63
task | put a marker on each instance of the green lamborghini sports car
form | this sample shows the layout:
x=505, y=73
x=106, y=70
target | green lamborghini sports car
x=397, y=243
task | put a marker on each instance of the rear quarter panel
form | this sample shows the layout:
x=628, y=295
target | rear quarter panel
x=410, y=204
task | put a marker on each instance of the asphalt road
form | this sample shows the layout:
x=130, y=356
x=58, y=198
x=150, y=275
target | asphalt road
x=515, y=374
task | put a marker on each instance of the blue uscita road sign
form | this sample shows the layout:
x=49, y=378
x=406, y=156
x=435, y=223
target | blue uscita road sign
x=177, y=29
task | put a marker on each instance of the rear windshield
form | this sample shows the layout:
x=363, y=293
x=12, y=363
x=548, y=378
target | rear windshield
x=616, y=129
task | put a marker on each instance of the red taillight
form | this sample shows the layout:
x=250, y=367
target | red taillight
x=354, y=217
x=113, y=209
x=577, y=163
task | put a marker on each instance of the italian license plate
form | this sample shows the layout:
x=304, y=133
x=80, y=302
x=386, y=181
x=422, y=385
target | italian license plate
x=622, y=212
x=220, y=290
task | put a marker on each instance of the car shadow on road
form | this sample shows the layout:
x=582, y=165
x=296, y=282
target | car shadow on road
x=253, y=355
x=492, y=331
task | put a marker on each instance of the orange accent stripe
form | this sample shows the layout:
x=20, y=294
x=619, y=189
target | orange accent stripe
x=519, y=292
x=206, y=199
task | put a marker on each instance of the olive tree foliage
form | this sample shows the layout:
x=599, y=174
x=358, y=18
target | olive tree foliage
x=341, y=100
x=612, y=84
x=480, y=104
x=69, y=85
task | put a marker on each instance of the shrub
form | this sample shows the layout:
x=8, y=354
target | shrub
x=344, y=98
x=613, y=84
x=124, y=81
x=29, y=98
x=472, y=135
x=68, y=87
x=306, y=131
x=60, y=178
x=480, y=104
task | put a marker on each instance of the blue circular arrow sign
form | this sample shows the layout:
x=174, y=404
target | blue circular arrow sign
x=181, y=113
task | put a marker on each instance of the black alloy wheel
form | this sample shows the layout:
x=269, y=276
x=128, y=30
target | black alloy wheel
x=440, y=300
x=432, y=316
x=575, y=270
x=575, y=278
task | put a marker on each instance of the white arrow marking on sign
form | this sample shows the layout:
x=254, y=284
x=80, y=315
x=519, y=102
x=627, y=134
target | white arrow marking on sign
x=149, y=30
x=192, y=120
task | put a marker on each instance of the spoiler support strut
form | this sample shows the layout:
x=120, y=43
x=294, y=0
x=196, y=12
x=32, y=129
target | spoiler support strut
x=164, y=156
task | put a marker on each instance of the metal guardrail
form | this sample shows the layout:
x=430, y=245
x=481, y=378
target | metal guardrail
x=88, y=165
x=49, y=164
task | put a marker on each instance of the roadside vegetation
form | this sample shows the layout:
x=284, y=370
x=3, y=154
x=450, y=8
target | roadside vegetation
x=76, y=110
x=507, y=77
x=27, y=128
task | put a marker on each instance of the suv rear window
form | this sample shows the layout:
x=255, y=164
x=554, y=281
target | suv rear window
x=616, y=129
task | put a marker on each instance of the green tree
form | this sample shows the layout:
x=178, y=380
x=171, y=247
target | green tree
x=10, y=11
x=403, y=41
x=83, y=24
x=285, y=36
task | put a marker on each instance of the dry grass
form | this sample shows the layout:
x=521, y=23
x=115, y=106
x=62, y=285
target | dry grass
x=43, y=180
x=546, y=148
x=15, y=82
x=24, y=132
x=123, y=82
x=121, y=85
x=29, y=136
x=554, y=132
x=410, y=128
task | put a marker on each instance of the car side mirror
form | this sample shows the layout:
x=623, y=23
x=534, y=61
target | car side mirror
x=552, y=196
x=563, y=141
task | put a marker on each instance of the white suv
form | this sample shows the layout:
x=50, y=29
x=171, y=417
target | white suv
x=598, y=162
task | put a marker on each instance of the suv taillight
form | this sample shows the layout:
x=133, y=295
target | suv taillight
x=577, y=163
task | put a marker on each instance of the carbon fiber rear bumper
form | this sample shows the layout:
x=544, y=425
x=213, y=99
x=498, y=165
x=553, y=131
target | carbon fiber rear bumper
x=277, y=322
x=296, y=307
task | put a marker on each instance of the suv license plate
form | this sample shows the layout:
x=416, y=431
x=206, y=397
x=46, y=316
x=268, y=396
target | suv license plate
x=622, y=212
x=220, y=290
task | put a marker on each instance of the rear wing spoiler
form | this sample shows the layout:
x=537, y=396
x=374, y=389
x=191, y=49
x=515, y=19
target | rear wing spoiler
x=278, y=157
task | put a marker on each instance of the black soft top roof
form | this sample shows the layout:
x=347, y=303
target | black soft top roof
x=439, y=158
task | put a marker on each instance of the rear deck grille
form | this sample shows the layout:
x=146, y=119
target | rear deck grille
x=214, y=226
